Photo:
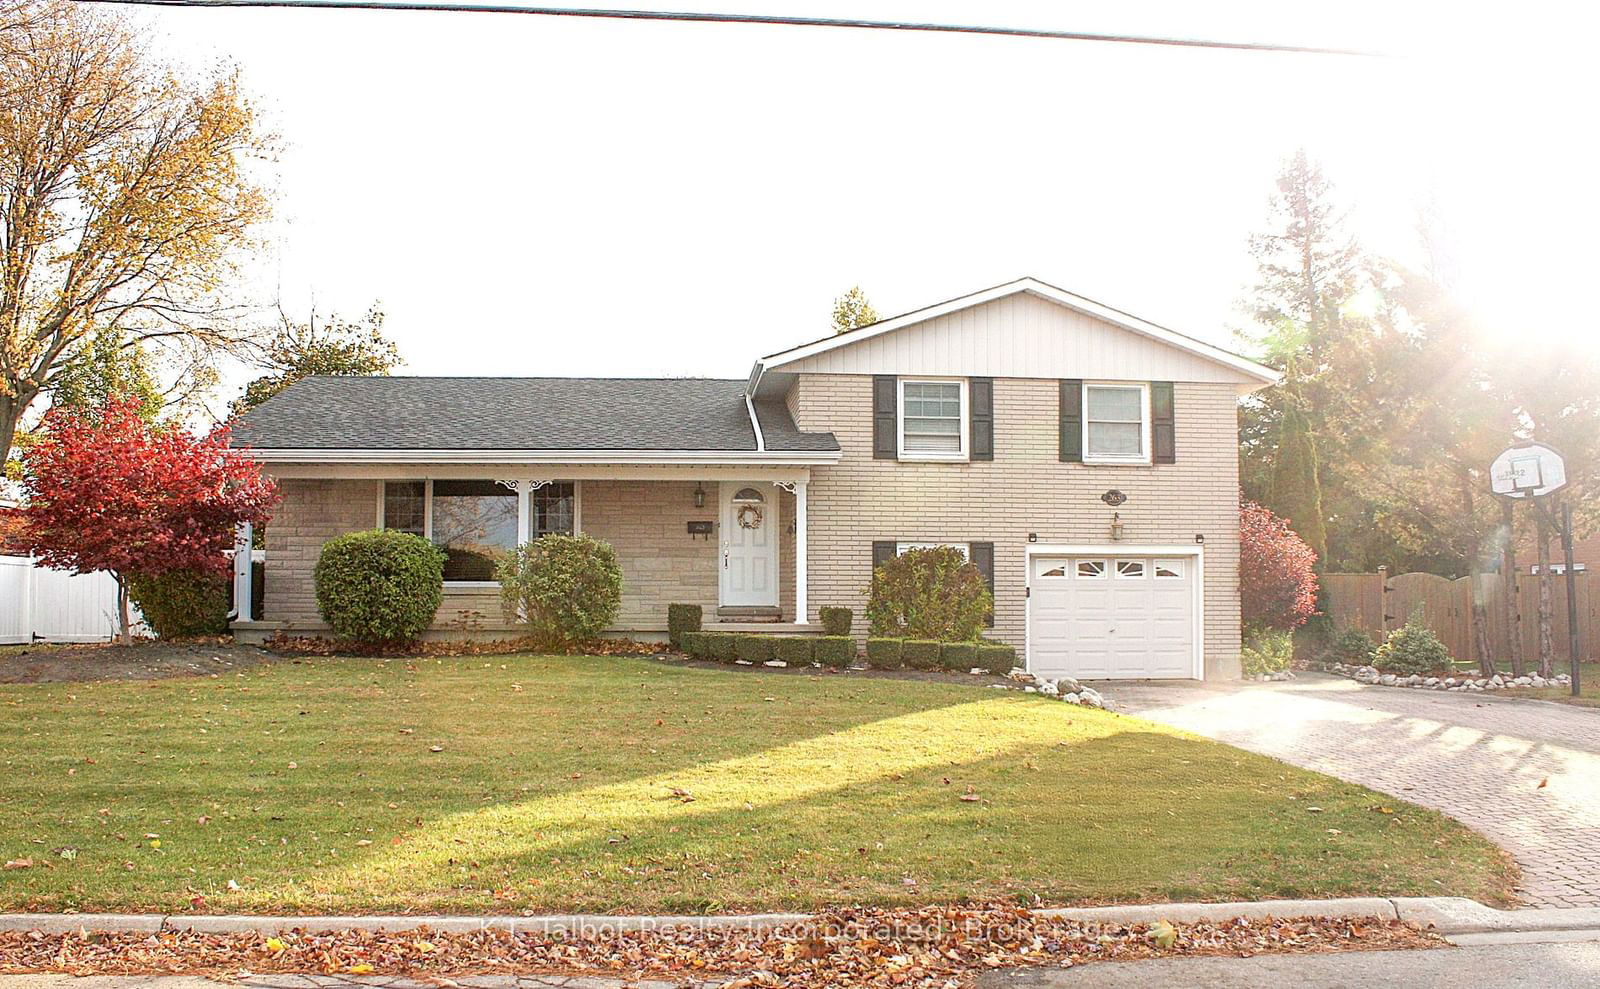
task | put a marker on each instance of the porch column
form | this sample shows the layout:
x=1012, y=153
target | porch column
x=243, y=587
x=801, y=609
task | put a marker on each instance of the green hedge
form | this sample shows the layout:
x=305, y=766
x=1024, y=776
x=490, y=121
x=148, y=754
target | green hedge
x=563, y=590
x=682, y=618
x=961, y=657
x=836, y=621
x=796, y=650
x=694, y=645
x=183, y=603
x=920, y=654
x=379, y=587
x=997, y=657
x=752, y=647
x=837, y=651
x=722, y=646
x=883, y=654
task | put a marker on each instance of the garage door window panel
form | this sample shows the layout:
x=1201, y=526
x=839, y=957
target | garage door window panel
x=1130, y=569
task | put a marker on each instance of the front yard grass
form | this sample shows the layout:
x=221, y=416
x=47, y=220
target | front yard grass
x=621, y=785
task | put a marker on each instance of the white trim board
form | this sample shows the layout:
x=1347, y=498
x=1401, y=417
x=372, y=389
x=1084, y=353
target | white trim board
x=665, y=458
x=1089, y=307
x=1195, y=550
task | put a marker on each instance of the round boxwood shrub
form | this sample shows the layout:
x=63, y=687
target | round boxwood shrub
x=1413, y=648
x=836, y=621
x=837, y=651
x=564, y=589
x=182, y=603
x=379, y=587
x=1352, y=646
x=883, y=654
x=931, y=593
x=796, y=650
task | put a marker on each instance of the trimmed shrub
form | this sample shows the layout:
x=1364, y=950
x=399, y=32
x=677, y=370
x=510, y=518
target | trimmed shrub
x=752, y=647
x=836, y=621
x=920, y=654
x=1412, y=648
x=379, y=587
x=564, y=589
x=883, y=654
x=837, y=651
x=182, y=603
x=997, y=657
x=795, y=650
x=958, y=656
x=929, y=593
x=681, y=618
x=1352, y=646
x=1266, y=651
x=693, y=644
x=721, y=646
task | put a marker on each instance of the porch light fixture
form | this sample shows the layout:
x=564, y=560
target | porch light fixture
x=699, y=495
x=1116, y=526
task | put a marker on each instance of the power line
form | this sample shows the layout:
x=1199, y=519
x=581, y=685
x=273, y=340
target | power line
x=767, y=19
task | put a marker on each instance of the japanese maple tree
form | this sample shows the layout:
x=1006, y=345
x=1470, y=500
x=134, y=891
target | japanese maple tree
x=109, y=491
x=1277, y=585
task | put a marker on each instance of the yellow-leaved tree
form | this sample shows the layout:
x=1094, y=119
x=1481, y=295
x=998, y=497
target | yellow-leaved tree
x=126, y=196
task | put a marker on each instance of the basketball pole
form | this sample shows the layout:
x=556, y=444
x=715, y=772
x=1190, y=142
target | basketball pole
x=1572, y=592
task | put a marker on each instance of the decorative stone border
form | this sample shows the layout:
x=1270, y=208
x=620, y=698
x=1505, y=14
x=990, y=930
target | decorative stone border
x=1066, y=689
x=1372, y=676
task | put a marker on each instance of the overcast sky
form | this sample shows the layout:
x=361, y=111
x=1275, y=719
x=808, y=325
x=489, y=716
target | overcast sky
x=529, y=195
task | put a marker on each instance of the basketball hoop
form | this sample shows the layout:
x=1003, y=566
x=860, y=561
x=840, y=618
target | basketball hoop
x=1528, y=470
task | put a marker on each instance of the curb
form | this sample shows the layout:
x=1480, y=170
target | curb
x=1446, y=914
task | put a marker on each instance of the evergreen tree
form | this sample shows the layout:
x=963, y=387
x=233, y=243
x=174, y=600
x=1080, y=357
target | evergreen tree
x=1296, y=492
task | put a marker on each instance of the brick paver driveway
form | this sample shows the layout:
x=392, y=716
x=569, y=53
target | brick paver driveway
x=1477, y=757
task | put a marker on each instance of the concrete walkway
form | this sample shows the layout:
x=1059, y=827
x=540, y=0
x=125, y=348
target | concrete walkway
x=1479, y=758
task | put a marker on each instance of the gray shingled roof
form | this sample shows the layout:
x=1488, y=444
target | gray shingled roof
x=404, y=413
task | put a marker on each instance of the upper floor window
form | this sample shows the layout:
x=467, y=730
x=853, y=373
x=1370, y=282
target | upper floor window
x=933, y=420
x=1116, y=423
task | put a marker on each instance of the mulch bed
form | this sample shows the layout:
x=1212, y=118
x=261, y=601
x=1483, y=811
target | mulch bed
x=914, y=949
x=143, y=660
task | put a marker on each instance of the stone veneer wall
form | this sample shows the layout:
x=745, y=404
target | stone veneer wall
x=1024, y=489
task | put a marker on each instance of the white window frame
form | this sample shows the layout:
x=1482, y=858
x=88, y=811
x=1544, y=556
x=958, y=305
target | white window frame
x=1144, y=457
x=965, y=417
x=524, y=517
x=965, y=548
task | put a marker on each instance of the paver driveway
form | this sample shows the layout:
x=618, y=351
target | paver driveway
x=1477, y=757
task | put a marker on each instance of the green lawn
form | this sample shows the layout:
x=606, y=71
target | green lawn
x=566, y=784
x=1588, y=686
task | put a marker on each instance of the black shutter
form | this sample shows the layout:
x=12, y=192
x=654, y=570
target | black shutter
x=882, y=552
x=982, y=557
x=885, y=416
x=1072, y=420
x=980, y=409
x=1163, y=423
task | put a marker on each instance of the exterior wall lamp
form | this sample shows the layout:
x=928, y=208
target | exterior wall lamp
x=1116, y=526
x=699, y=495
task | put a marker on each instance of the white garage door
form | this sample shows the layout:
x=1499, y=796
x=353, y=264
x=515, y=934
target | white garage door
x=1112, y=617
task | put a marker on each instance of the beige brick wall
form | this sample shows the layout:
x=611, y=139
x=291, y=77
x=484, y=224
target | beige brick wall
x=1025, y=489
x=643, y=520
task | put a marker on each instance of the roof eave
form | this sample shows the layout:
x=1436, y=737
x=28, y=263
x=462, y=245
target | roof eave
x=333, y=455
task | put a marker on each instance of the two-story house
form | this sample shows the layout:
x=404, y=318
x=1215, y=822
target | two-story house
x=1084, y=459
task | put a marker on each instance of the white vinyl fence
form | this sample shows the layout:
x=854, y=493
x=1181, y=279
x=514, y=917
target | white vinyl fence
x=37, y=603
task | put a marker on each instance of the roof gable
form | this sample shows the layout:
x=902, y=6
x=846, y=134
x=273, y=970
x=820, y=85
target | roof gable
x=1025, y=328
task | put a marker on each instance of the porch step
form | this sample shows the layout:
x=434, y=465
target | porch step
x=762, y=613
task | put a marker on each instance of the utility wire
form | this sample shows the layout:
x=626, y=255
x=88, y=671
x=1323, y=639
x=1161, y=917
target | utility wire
x=770, y=19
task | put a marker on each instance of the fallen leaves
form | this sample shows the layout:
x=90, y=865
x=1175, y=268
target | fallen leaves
x=19, y=863
x=909, y=948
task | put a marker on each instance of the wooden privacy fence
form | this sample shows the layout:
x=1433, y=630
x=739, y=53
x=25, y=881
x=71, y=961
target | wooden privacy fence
x=1368, y=601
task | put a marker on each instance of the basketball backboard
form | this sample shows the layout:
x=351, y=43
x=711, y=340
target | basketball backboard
x=1529, y=470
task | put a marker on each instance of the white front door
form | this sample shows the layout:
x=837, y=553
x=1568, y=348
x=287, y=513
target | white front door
x=749, y=545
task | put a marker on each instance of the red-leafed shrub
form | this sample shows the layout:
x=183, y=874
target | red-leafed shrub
x=1277, y=586
x=106, y=490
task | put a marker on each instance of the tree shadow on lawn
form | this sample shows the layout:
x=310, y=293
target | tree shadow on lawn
x=559, y=795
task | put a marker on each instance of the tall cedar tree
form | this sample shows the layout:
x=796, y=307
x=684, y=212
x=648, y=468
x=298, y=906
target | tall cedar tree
x=106, y=490
x=1296, y=496
x=335, y=348
x=126, y=195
